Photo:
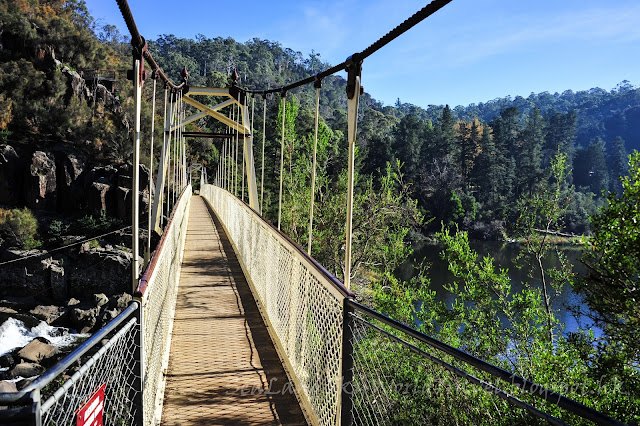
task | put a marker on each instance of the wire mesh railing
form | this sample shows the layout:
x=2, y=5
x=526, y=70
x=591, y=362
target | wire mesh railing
x=301, y=303
x=120, y=361
x=157, y=295
x=398, y=376
x=112, y=368
x=105, y=361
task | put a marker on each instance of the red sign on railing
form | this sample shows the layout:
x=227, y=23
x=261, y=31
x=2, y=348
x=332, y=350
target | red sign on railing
x=92, y=412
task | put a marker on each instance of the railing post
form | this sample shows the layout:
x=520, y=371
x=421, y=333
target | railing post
x=346, y=406
x=36, y=407
x=138, y=366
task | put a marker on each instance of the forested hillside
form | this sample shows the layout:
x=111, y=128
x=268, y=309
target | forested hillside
x=467, y=165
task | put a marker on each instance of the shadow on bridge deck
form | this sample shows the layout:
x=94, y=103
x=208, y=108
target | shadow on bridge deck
x=223, y=367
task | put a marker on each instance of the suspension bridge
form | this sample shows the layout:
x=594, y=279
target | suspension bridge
x=235, y=323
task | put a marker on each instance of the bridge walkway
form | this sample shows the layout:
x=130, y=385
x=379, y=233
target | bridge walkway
x=222, y=360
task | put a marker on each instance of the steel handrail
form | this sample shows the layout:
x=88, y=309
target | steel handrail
x=495, y=371
x=24, y=395
x=146, y=275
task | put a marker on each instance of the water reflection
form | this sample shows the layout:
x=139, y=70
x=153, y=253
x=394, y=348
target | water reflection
x=505, y=256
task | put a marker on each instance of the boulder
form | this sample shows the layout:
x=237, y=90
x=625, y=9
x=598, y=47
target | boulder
x=40, y=182
x=76, y=85
x=38, y=350
x=50, y=314
x=73, y=303
x=124, y=207
x=8, y=387
x=7, y=361
x=109, y=272
x=120, y=301
x=85, y=319
x=100, y=299
x=107, y=99
x=125, y=173
x=11, y=176
x=7, y=311
x=107, y=316
x=26, y=369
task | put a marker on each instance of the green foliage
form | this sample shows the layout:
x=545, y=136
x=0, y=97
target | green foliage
x=612, y=255
x=57, y=229
x=91, y=225
x=507, y=328
x=540, y=215
x=18, y=227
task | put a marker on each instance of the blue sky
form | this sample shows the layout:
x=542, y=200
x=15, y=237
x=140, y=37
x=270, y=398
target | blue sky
x=470, y=51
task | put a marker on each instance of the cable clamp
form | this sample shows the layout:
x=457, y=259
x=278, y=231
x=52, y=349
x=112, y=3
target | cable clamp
x=353, y=66
x=138, y=53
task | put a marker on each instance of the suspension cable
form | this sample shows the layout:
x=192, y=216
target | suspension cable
x=264, y=133
x=284, y=106
x=168, y=165
x=138, y=42
x=313, y=167
x=409, y=23
x=147, y=254
x=244, y=141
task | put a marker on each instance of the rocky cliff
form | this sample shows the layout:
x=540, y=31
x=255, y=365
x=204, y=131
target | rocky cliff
x=62, y=180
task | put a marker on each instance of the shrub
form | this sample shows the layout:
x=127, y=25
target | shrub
x=56, y=231
x=18, y=227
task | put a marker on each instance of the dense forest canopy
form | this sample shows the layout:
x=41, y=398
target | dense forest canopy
x=466, y=165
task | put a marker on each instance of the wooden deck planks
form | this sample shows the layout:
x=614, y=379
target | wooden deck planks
x=222, y=360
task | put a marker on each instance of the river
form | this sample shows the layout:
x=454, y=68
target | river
x=505, y=255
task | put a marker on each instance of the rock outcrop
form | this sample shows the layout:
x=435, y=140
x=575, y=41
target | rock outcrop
x=109, y=272
x=61, y=180
x=27, y=277
x=40, y=182
x=76, y=85
x=70, y=180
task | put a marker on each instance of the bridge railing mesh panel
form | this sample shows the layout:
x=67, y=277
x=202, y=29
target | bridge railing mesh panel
x=113, y=366
x=159, y=290
x=394, y=385
x=397, y=377
x=303, y=308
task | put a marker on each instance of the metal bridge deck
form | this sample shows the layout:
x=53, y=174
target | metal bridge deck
x=222, y=360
